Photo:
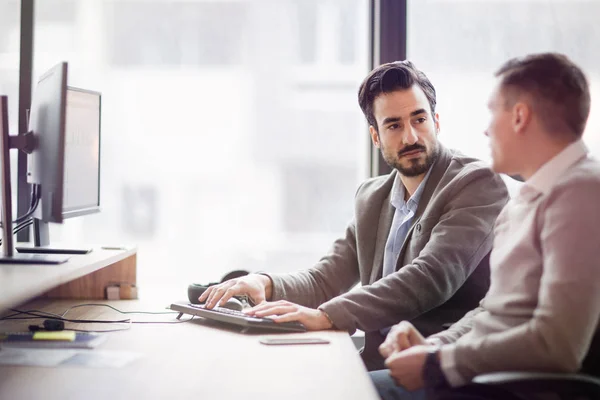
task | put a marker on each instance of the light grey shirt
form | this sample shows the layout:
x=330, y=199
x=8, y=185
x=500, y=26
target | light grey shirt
x=543, y=305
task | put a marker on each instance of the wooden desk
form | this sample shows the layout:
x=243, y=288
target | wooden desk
x=82, y=276
x=193, y=360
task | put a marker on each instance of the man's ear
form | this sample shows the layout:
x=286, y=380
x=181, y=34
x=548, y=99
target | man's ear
x=521, y=117
x=436, y=120
x=374, y=136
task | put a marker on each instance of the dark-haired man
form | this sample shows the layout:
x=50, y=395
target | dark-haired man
x=417, y=237
x=543, y=307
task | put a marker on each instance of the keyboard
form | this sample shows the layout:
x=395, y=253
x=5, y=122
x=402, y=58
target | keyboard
x=237, y=318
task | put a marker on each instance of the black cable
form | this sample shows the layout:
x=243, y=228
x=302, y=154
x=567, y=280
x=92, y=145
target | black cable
x=35, y=201
x=116, y=309
x=20, y=227
x=102, y=331
x=36, y=314
x=21, y=312
x=33, y=204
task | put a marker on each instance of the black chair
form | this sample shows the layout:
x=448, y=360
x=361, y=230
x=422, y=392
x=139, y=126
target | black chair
x=529, y=385
x=532, y=385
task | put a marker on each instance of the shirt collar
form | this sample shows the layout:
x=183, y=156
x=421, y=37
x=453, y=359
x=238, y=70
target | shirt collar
x=545, y=177
x=398, y=189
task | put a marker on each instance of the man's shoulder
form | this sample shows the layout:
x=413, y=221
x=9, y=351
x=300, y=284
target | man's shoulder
x=463, y=165
x=583, y=176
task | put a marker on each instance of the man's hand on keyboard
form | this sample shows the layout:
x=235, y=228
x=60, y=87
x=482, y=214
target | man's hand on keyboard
x=284, y=311
x=257, y=287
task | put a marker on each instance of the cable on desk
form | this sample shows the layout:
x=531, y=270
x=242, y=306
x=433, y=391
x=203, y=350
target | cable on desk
x=29, y=311
x=36, y=313
x=40, y=314
x=116, y=309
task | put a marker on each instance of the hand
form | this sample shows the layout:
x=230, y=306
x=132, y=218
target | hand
x=406, y=367
x=401, y=337
x=257, y=287
x=284, y=311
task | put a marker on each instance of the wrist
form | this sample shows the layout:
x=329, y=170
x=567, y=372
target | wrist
x=433, y=376
x=267, y=284
x=326, y=319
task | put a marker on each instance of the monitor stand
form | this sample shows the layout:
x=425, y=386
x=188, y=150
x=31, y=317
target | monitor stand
x=41, y=240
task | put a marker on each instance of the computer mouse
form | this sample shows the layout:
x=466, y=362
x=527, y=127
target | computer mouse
x=233, y=304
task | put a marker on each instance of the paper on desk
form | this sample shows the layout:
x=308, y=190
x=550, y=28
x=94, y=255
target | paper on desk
x=66, y=358
x=34, y=357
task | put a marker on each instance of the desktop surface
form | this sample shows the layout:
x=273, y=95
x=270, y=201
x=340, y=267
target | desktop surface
x=196, y=359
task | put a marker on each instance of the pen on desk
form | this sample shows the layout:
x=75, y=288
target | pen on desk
x=113, y=248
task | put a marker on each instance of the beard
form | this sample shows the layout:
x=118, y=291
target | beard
x=417, y=165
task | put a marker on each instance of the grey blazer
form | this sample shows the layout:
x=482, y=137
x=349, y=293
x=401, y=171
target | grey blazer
x=434, y=282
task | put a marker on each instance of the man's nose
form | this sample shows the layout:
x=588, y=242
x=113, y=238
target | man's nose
x=410, y=136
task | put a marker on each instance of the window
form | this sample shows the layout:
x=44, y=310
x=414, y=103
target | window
x=460, y=44
x=231, y=132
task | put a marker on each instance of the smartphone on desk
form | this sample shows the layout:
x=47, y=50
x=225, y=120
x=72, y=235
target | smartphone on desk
x=288, y=341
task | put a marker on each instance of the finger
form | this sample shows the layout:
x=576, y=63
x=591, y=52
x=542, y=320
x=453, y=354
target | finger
x=211, y=296
x=211, y=299
x=393, y=360
x=265, y=305
x=386, y=349
x=229, y=293
x=401, y=342
x=276, y=310
x=216, y=295
x=205, y=294
x=292, y=316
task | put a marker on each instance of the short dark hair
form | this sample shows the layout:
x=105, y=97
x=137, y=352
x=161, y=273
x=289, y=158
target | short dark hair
x=397, y=75
x=558, y=89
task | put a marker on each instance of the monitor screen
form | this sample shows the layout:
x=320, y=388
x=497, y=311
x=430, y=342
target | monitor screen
x=81, y=187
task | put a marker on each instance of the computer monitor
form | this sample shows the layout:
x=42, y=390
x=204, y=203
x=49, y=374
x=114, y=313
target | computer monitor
x=63, y=168
x=80, y=155
x=67, y=160
x=45, y=163
x=27, y=142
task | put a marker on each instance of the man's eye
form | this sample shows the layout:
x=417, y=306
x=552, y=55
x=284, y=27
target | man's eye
x=393, y=126
x=421, y=120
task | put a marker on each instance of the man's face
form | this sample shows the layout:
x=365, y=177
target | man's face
x=407, y=133
x=501, y=134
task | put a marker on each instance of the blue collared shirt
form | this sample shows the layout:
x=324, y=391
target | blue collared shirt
x=403, y=216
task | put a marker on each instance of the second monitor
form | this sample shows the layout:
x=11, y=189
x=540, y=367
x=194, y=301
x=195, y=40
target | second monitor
x=80, y=185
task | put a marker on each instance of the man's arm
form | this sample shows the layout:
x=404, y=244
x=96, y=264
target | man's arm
x=333, y=275
x=558, y=335
x=461, y=238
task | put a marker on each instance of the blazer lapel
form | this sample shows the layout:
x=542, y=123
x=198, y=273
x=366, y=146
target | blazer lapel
x=383, y=231
x=439, y=168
